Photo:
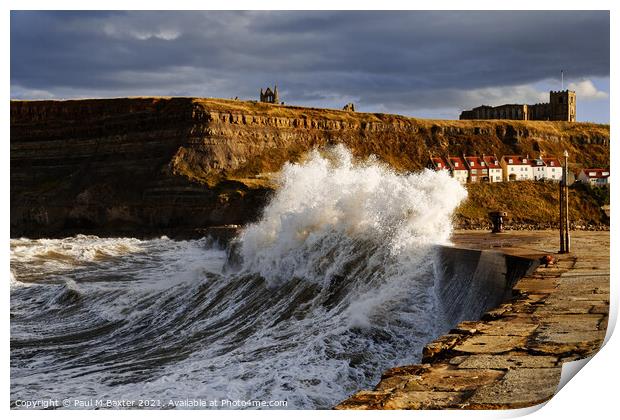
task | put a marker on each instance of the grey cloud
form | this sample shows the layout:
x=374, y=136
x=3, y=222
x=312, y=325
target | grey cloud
x=385, y=60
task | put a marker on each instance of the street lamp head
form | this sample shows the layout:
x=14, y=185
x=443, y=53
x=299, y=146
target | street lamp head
x=565, y=153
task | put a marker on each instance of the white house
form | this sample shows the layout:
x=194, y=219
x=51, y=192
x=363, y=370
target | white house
x=594, y=176
x=494, y=168
x=553, y=169
x=516, y=168
x=539, y=168
x=458, y=169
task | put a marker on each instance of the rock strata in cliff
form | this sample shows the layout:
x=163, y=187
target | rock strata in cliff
x=145, y=166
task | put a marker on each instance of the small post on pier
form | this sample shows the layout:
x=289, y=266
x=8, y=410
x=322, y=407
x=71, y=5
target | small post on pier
x=561, y=214
x=497, y=218
x=566, y=221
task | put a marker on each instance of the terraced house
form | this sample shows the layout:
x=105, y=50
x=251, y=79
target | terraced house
x=516, y=168
x=458, y=169
x=553, y=169
x=438, y=163
x=474, y=169
x=539, y=169
x=495, y=169
x=478, y=171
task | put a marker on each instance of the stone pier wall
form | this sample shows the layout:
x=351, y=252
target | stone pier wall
x=513, y=356
x=470, y=282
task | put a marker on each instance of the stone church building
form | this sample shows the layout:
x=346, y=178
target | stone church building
x=562, y=106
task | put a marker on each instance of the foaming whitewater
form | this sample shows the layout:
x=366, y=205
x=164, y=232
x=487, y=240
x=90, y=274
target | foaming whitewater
x=334, y=284
x=328, y=207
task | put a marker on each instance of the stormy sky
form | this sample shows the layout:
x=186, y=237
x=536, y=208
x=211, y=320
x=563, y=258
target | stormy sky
x=417, y=63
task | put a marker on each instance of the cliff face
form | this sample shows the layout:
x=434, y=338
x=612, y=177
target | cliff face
x=241, y=139
x=144, y=166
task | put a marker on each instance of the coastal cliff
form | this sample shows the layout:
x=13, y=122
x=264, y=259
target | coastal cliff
x=149, y=166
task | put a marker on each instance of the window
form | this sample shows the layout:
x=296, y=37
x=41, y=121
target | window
x=456, y=164
x=552, y=163
x=439, y=165
x=592, y=174
x=472, y=163
x=510, y=161
x=496, y=162
x=524, y=160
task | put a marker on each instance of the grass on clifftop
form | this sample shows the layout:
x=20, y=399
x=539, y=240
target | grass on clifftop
x=292, y=111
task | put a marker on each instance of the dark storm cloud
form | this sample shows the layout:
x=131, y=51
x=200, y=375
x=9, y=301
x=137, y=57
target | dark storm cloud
x=404, y=60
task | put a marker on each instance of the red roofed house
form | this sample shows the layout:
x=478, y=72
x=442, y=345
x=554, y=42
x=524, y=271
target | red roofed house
x=458, y=168
x=438, y=163
x=516, y=168
x=478, y=170
x=553, y=169
x=495, y=169
x=594, y=176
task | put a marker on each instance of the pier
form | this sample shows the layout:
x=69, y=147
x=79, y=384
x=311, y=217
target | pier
x=512, y=357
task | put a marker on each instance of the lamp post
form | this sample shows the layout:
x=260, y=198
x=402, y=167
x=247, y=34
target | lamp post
x=566, y=222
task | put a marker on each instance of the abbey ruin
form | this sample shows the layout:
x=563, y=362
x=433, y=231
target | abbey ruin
x=562, y=106
x=270, y=96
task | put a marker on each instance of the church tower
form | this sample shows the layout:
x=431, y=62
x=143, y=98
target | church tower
x=563, y=105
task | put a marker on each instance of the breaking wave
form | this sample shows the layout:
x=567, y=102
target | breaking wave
x=333, y=285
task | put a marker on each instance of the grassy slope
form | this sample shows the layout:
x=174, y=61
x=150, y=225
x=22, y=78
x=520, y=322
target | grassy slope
x=533, y=202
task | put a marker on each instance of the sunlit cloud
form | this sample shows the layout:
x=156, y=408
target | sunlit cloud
x=586, y=90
